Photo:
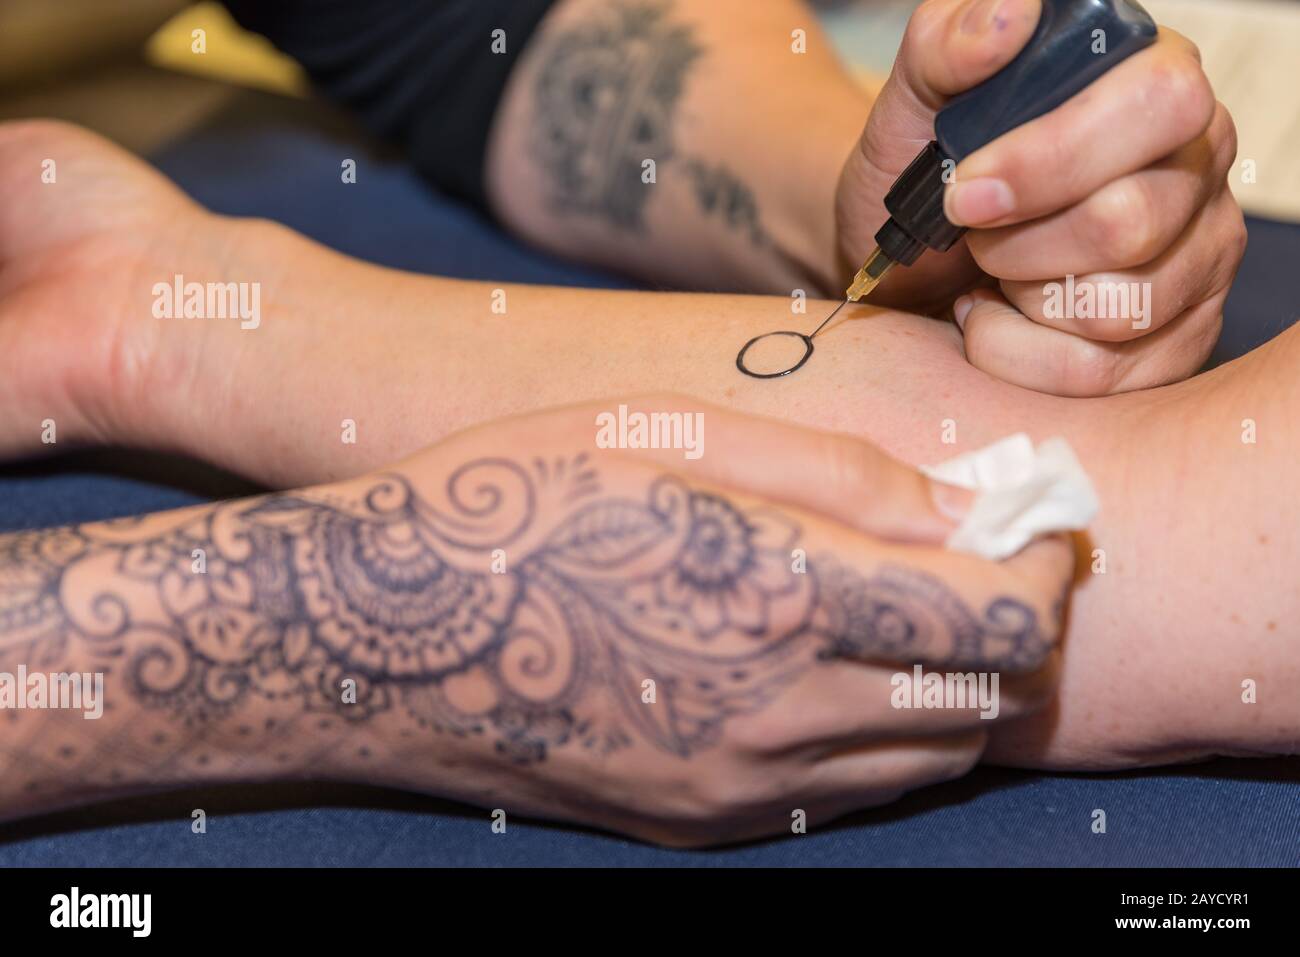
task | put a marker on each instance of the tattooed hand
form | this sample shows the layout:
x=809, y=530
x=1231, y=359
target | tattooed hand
x=690, y=651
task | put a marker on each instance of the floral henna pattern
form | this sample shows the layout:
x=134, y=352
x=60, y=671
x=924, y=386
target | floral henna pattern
x=905, y=615
x=502, y=609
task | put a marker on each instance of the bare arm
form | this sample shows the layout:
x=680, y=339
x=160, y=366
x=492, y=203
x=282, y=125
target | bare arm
x=411, y=359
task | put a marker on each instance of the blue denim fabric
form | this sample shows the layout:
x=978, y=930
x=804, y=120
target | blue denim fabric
x=1218, y=814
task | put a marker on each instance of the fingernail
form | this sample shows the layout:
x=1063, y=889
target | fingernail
x=979, y=16
x=952, y=501
x=961, y=309
x=977, y=201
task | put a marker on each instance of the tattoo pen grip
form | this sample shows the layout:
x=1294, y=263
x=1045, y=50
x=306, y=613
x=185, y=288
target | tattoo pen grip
x=1076, y=42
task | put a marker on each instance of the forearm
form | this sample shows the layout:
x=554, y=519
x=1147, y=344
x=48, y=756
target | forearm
x=250, y=640
x=159, y=632
x=747, y=138
x=1184, y=622
x=410, y=359
x=436, y=358
x=517, y=619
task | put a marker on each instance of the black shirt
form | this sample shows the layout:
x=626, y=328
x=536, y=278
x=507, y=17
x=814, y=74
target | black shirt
x=419, y=72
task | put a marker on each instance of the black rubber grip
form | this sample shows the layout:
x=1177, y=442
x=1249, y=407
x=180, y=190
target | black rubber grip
x=1075, y=43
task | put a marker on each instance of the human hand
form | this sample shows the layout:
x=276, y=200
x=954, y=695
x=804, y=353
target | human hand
x=78, y=219
x=1123, y=184
x=659, y=659
x=87, y=230
x=687, y=650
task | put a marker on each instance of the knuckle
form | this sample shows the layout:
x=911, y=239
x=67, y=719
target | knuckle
x=1087, y=368
x=1233, y=237
x=763, y=732
x=1193, y=50
x=1239, y=236
x=1124, y=223
x=723, y=793
x=1223, y=134
x=24, y=141
x=1181, y=91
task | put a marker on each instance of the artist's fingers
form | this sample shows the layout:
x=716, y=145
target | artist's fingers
x=1004, y=343
x=1126, y=223
x=1160, y=99
x=1121, y=305
x=952, y=45
x=949, y=46
x=843, y=478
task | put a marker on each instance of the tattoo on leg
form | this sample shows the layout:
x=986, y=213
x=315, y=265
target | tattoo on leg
x=503, y=606
x=605, y=100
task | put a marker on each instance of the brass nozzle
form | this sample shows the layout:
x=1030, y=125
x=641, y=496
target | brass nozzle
x=869, y=276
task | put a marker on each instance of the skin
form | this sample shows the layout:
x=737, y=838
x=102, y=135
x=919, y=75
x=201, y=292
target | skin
x=521, y=619
x=80, y=258
x=1125, y=182
x=1157, y=647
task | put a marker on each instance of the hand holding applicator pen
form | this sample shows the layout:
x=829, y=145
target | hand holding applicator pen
x=1081, y=149
x=1076, y=42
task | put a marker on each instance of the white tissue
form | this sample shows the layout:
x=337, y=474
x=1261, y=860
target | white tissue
x=1023, y=492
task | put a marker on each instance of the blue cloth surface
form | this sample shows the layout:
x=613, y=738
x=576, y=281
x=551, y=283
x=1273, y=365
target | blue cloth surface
x=271, y=162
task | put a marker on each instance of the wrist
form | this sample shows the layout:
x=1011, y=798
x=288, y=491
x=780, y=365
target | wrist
x=233, y=391
x=187, y=327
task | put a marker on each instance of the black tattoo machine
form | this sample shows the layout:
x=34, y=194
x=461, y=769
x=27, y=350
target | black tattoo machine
x=1076, y=42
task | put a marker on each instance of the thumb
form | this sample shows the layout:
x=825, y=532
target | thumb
x=949, y=47
x=1000, y=340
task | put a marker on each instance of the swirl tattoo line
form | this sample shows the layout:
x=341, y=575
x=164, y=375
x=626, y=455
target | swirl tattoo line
x=413, y=605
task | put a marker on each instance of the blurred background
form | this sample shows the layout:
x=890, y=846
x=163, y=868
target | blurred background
x=127, y=68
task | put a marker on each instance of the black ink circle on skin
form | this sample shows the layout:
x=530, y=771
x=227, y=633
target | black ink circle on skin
x=807, y=354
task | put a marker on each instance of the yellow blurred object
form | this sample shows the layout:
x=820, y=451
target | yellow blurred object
x=204, y=40
x=42, y=41
x=1249, y=48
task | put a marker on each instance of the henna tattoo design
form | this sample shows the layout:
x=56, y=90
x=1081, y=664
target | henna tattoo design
x=605, y=101
x=503, y=608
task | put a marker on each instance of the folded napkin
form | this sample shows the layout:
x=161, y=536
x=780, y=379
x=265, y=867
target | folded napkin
x=1023, y=492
